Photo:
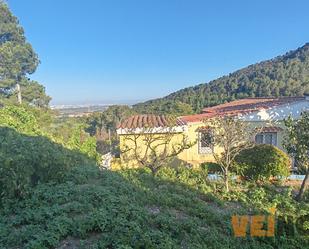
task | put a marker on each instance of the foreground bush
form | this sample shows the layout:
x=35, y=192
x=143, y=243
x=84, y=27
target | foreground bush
x=31, y=153
x=132, y=209
x=20, y=119
x=40, y=122
x=28, y=160
x=262, y=162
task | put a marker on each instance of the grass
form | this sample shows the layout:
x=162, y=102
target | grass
x=132, y=209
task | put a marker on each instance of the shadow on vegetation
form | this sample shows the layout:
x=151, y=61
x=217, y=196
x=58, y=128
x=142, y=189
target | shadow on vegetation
x=29, y=160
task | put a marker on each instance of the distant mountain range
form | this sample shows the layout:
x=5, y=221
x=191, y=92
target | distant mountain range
x=286, y=75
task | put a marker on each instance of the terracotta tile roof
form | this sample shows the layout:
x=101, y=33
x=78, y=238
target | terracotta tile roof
x=271, y=129
x=150, y=121
x=196, y=117
x=241, y=106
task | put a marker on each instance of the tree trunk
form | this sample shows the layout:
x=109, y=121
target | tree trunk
x=19, y=99
x=303, y=187
x=109, y=138
x=226, y=181
x=153, y=169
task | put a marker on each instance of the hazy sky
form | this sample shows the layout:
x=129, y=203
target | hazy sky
x=101, y=51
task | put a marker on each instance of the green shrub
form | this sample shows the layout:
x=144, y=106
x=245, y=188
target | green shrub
x=35, y=121
x=262, y=162
x=183, y=174
x=133, y=209
x=20, y=119
x=28, y=160
x=30, y=153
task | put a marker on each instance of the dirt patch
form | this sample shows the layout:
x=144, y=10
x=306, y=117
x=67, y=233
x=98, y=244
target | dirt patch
x=69, y=243
x=76, y=243
x=180, y=215
x=153, y=210
x=233, y=206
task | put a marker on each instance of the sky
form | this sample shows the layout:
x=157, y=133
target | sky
x=125, y=51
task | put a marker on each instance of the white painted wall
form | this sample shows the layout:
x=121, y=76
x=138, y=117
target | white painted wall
x=278, y=113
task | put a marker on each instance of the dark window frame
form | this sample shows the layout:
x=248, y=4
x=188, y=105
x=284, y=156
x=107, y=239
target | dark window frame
x=205, y=142
x=266, y=135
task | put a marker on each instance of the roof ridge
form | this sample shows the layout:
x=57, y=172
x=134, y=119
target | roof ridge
x=241, y=101
x=150, y=121
x=242, y=106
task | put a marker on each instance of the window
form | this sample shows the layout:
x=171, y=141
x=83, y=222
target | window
x=205, y=142
x=266, y=138
x=259, y=138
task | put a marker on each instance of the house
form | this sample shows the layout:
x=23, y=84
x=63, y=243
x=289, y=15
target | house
x=266, y=113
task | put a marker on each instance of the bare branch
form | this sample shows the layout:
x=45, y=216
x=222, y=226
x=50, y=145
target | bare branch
x=153, y=148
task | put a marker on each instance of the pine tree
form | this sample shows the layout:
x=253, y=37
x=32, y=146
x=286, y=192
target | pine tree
x=17, y=61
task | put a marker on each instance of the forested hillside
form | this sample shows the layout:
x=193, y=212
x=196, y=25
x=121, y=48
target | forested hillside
x=286, y=75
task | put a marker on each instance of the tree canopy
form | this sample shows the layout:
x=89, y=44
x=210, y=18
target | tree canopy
x=166, y=107
x=297, y=145
x=17, y=61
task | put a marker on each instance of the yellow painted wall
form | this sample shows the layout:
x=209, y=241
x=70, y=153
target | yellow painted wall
x=127, y=158
x=192, y=155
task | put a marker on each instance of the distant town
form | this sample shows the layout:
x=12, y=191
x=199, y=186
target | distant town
x=81, y=110
x=78, y=110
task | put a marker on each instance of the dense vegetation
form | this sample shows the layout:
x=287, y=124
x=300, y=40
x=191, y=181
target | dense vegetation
x=30, y=154
x=173, y=107
x=286, y=75
x=262, y=162
x=297, y=144
x=29, y=160
x=132, y=209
